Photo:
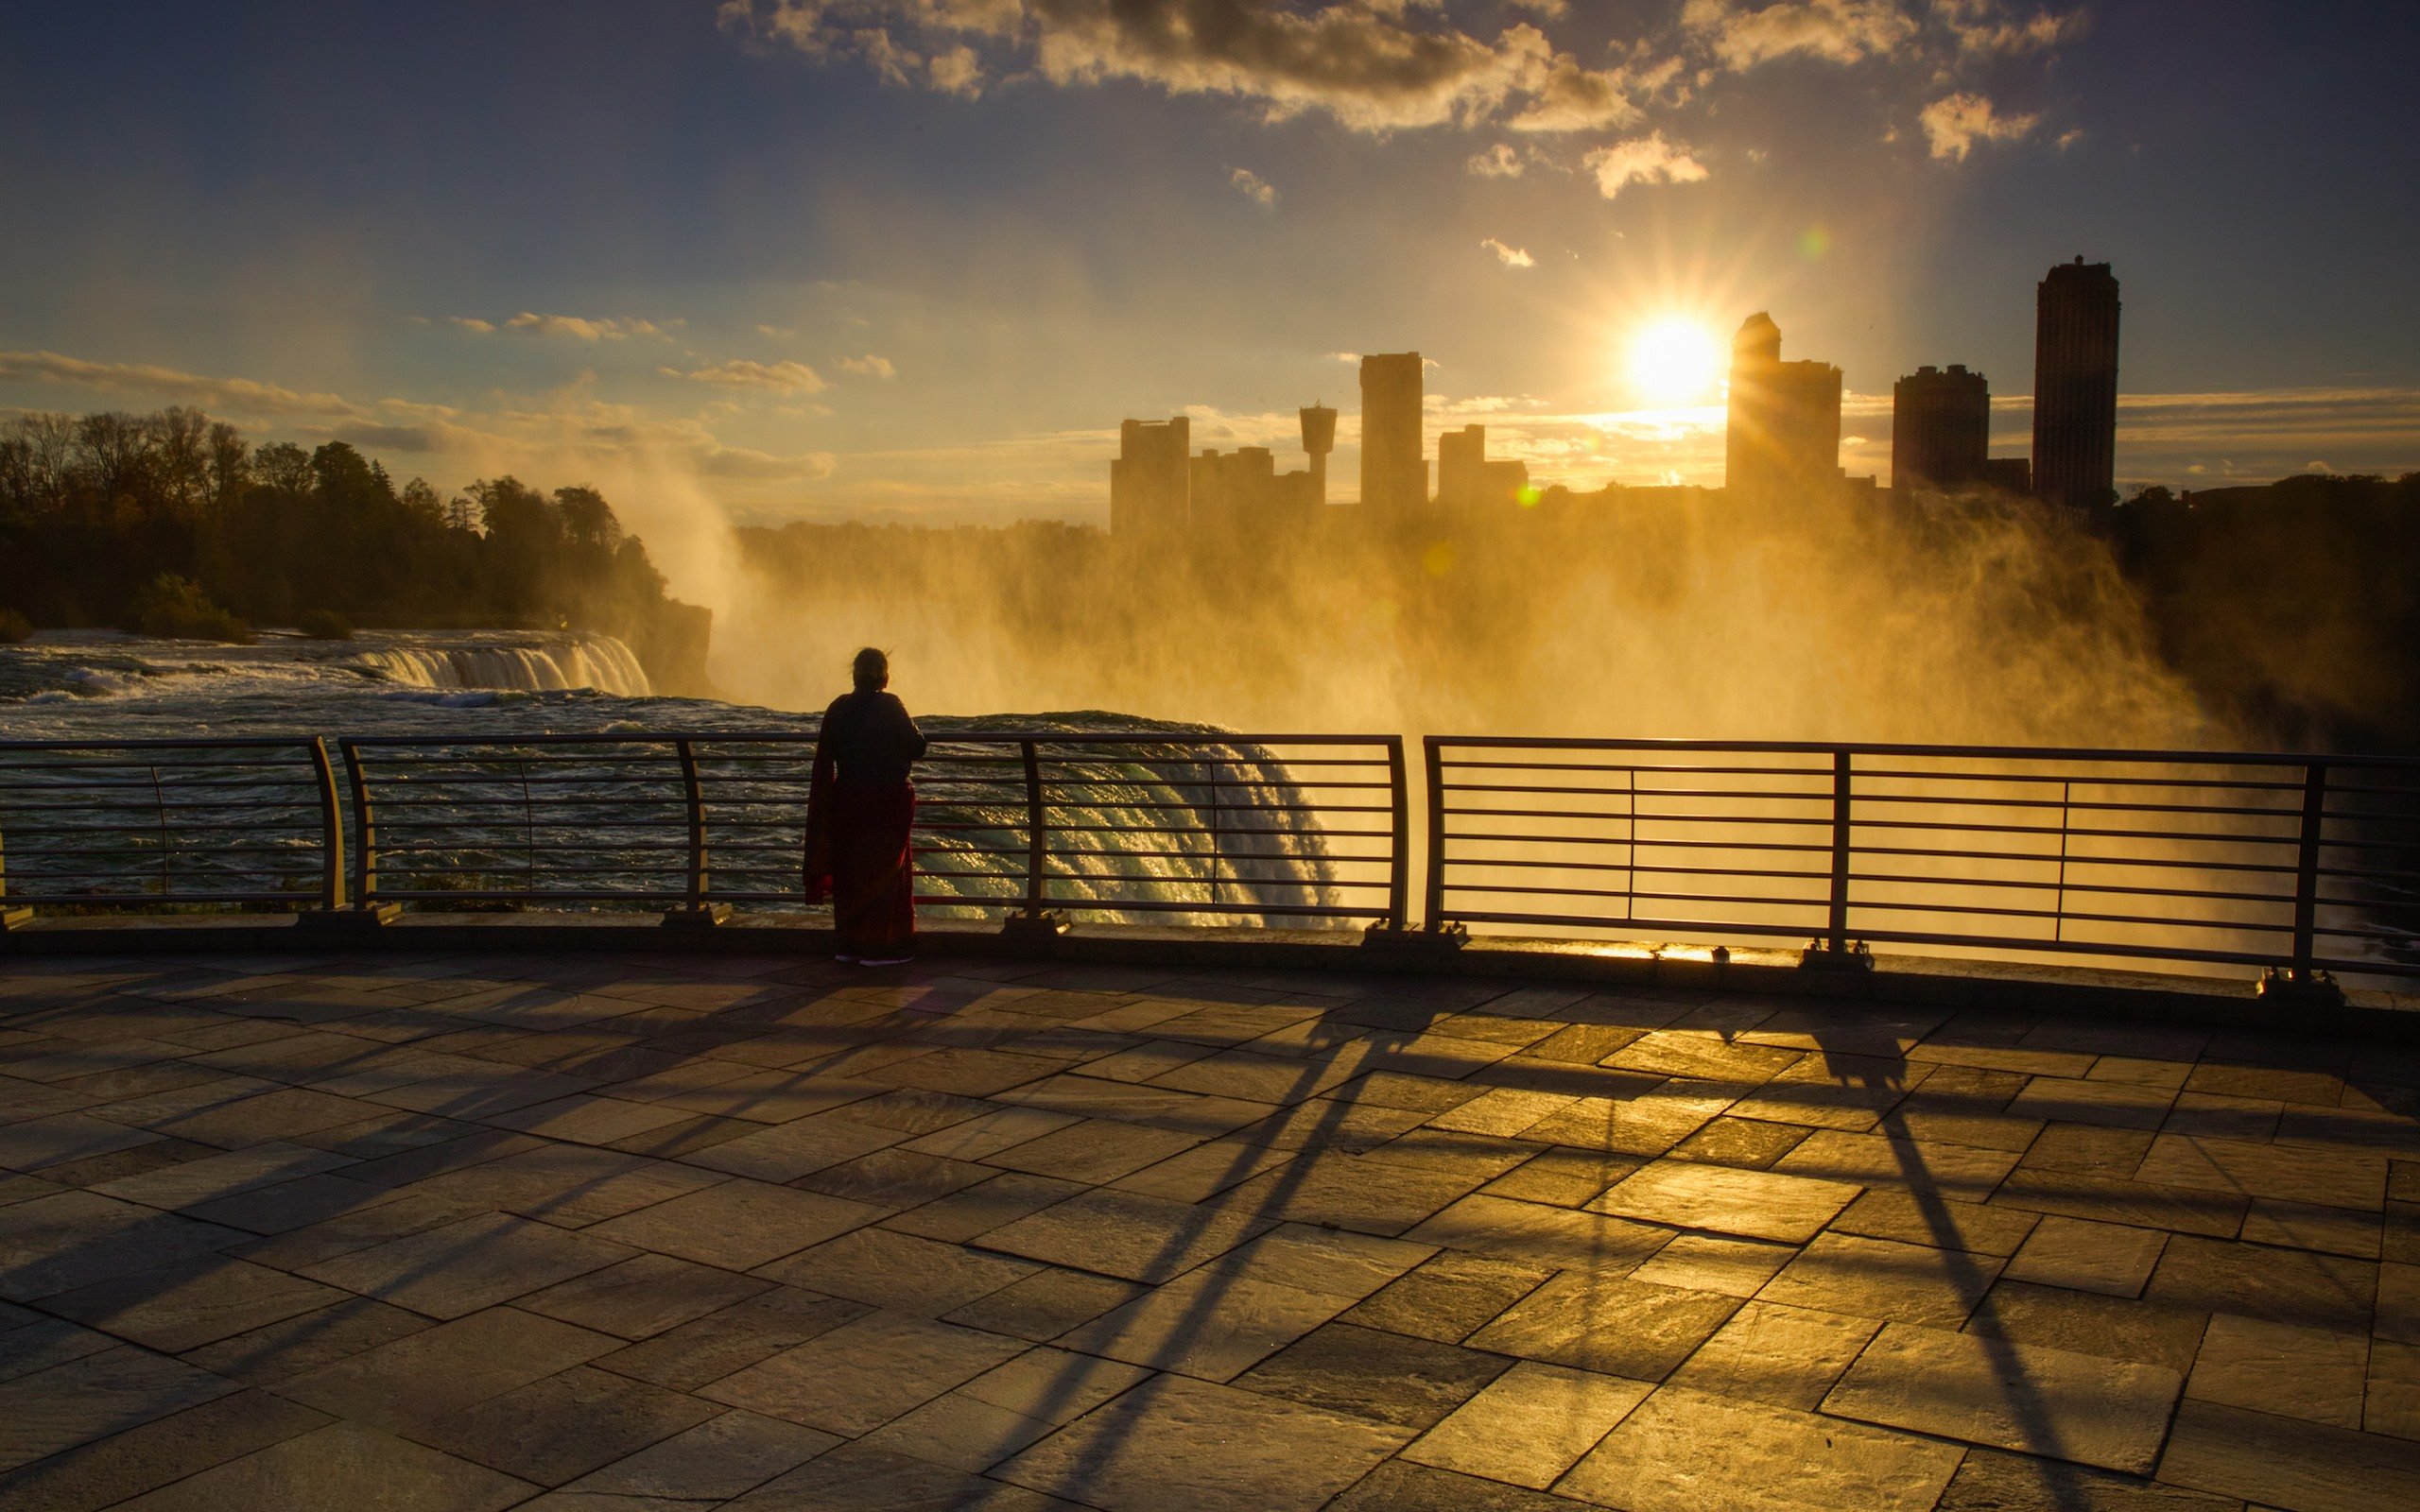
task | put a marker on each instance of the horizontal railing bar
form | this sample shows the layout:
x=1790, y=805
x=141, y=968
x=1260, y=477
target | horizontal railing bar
x=2071, y=753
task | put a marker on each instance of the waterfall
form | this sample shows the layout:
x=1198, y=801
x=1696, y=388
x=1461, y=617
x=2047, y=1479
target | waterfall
x=597, y=662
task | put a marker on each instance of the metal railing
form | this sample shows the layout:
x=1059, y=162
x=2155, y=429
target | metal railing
x=2296, y=864
x=2299, y=865
x=1257, y=827
x=153, y=823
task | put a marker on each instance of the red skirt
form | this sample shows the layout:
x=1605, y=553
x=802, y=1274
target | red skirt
x=858, y=858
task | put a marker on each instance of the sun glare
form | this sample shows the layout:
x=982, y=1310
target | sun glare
x=1675, y=361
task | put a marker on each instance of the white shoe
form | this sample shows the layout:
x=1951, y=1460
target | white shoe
x=886, y=960
x=845, y=959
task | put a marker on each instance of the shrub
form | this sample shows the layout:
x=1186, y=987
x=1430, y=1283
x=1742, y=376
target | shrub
x=14, y=626
x=325, y=624
x=176, y=607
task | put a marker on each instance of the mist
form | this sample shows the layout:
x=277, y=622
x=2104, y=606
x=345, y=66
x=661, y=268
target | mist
x=1665, y=613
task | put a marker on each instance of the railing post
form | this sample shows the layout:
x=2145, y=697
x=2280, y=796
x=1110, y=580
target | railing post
x=366, y=911
x=1399, y=841
x=1034, y=921
x=1834, y=951
x=13, y=915
x=2302, y=983
x=1432, y=913
x=331, y=827
x=696, y=910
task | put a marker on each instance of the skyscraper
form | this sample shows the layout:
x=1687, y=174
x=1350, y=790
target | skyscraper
x=1782, y=436
x=1394, y=479
x=1318, y=439
x=2075, y=385
x=1941, y=428
x=1467, y=480
x=1149, y=492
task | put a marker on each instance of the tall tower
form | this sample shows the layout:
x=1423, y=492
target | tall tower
x=2075, y=385
x=1393, y=477
x=1149, y=484
x=1318, y=439
x=1782, y=436
x=1941, y=428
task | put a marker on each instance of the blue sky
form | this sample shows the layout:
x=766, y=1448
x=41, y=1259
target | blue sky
x=913, y=259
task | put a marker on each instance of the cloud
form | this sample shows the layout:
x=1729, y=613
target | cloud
x=1567, y=97
x=780, y=377
x=236, y=396
x=777, y=333
x=471, y=322
x=1839, y=31
x=607, y=328
x=956, y=71
x=1955, y=123
x=869, y=366
x=1375, y=65
x=1981, y=26
x=1499, y=162
x=1254, y=187
x=1509, y=256
x=1647, y=159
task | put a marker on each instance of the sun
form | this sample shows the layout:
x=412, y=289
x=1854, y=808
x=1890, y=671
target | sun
x=1675, y=360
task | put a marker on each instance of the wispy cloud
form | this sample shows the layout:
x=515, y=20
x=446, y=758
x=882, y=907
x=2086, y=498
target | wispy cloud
x=1254, y=187
x=1840, y=31
x=580, y=328
x=1509, y=256
x=1955, y=123
x=869, y=366
x=778, y=377
x=1642, y=159
x=234, y=396
x=1499, y=162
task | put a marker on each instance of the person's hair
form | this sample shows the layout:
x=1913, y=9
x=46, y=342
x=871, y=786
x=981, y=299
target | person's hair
x=872, y=669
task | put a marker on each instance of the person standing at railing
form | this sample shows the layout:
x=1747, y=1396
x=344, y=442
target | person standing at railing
x=860, y=807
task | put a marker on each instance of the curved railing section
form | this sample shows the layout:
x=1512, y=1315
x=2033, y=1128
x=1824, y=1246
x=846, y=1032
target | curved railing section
x=2295, y=864
x=1197, y=828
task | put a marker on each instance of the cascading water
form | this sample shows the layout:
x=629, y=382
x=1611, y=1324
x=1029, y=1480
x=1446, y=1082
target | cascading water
x=597, y=662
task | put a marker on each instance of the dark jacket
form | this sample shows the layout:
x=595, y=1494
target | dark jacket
x=869, y=738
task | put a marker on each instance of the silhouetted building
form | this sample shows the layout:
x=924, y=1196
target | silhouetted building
x=1467, y=480
x=1150, y=480
x=1394, y=479
x=2009, y=474
x=2075, y=385
x=1782, y=436
x=1941, y=429
x=1234, y=491
x=1318, y=439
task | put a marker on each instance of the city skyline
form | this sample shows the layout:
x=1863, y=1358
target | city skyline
x=736, y=259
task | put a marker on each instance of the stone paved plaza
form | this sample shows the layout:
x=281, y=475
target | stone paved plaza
x=590, y=1232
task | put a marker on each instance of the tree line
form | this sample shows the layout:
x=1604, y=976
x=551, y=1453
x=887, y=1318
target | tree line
x=174, y=522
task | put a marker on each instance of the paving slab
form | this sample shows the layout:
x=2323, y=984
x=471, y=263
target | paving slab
x=565, y=1425
x=93, y=1396
x=343, y=1465
x=1531, y=1425
x=1206, y=1324
x=1175, y=1442
x=191, y=1302
x=1449, y=1297
x=1882, y=1278
x=725, y=1457
x=643, y=1295
x=156, y=1453
x=2040, y=1400
x=2307, y=1373
x=1684, y=1452
x=1542, y=1234
x=899, y=1271
x=2280, y=1462
x=1784, y=1356
x=740, y=1335
x=1389, y=1377
x=461, y=1267
x=864, y=1373
x=1608, y=1324
x=738, y=1225
x=1129, y=1235
x=424, y=1377
x=2088, y=1257
x=1755, y=1204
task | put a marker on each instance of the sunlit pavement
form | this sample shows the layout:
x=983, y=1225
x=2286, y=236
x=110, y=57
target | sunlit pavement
x=592, y=1231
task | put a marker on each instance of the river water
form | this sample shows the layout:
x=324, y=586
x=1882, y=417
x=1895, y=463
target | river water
x=614, y=816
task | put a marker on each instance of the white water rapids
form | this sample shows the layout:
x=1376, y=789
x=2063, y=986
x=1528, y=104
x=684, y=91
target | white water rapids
x=597, y=662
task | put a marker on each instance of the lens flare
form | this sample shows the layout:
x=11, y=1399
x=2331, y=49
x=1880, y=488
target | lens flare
x=1675, y=361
